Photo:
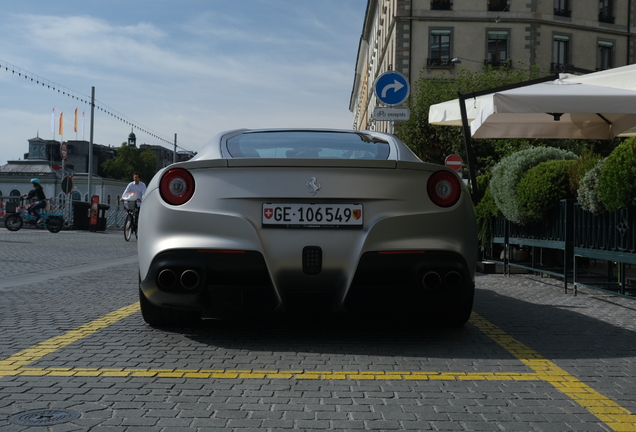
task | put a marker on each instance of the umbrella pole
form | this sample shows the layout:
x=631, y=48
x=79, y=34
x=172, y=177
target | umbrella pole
x=470, y=154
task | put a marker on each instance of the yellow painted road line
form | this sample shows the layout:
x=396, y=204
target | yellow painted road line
x=16, y=362
x=608, y=411
x=275, y=374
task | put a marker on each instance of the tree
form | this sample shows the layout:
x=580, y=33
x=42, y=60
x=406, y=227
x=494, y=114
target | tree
x=128, y=160
x=433, y=143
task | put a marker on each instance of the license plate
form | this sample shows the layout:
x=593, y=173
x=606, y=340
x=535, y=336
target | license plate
x=312, y=215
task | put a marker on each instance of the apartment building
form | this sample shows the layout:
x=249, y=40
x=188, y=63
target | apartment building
x=425, y=38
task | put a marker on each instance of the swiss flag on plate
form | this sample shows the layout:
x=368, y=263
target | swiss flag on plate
x=268, y=212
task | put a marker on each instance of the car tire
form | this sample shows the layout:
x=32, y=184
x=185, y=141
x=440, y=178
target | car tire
x=159, y=316
x=459, y=315
x=13, y=222
x=54, y=225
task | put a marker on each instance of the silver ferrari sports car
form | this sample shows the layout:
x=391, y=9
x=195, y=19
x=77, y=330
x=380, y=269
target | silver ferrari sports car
x=283, y=220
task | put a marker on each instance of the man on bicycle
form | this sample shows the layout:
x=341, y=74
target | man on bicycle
x=38, y=192
x=135, y=186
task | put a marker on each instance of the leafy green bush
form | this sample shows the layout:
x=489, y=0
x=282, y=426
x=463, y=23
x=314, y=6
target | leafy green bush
x=509, y=171
x=588, y=189
x=485, y=211
x=617, y=185
x=582, y=166
x=541, y=188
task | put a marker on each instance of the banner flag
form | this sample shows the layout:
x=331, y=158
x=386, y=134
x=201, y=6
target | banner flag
x=53, y=121
x=75, y=122
x=61, y=128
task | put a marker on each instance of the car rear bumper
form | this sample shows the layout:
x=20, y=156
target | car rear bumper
x=222, y=282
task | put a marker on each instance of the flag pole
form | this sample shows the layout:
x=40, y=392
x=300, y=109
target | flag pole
x=174, y=155
x=90, y=145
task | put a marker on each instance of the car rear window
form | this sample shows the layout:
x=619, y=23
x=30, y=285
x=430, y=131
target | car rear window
x=307, y=145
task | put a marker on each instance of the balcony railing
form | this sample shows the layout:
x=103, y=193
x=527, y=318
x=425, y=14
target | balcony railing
x=563, y=12
x=497, y=63
x=441, y=5
x=605, y=18
x=439, y=62
x=560, y=67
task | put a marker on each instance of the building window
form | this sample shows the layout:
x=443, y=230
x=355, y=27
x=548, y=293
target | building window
x=497, y=5
x=606, y=11
x=440, y=48
x=562, y=8
x=441, y=5
x=15, y=193
x=560, y=52
x=497, y=54
x=605, y=55
x=76, y=196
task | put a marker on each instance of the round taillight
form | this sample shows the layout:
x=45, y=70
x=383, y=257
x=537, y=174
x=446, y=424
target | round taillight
x=444, y=188
x=176, y=186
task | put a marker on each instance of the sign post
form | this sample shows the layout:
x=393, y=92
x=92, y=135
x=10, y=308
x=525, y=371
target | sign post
x=454, y=162
x=391, y=88
x=64, y=154
x=63, y=150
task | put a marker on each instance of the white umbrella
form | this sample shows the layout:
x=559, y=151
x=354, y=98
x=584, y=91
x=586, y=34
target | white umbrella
x=623, y=77
x=557, y=109
x=449, y=114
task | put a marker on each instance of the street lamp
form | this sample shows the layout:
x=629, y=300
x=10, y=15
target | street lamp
x=458, y=60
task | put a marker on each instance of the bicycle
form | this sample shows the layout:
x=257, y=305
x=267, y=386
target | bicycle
x=130, y=224
x=54, y=222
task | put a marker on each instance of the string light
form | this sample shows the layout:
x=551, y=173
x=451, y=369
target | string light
x=86, y=100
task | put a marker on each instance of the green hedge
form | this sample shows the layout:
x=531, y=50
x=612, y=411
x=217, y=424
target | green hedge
x=485, y=211
x=587, y=193
x=507, y=174
x=617, y=184
x=542, y=187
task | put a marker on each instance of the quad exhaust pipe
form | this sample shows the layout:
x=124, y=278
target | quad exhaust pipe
x=451, y=280
x=189, y=279
x=168, y=279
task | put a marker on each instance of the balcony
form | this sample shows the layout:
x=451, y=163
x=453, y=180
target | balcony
x=439, y=63
x=605, y=17
x=563, y=12
x=497, y=63
x=441, y=5
x=560, y=67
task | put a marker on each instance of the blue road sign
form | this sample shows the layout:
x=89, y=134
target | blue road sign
x=391, y=88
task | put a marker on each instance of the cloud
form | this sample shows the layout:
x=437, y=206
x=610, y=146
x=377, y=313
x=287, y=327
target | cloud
x=195, y=74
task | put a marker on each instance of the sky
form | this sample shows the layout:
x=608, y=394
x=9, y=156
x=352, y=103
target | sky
x=193, y=68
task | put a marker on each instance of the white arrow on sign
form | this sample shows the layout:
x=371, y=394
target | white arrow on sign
x=395, y=86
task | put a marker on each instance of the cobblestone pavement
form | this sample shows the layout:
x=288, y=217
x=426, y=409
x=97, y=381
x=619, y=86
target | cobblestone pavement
x=71, y=338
